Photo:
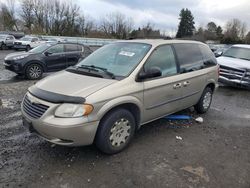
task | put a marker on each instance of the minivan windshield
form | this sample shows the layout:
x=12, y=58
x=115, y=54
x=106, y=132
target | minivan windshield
x=40, y=49
x=238, y=52
x=117, y=58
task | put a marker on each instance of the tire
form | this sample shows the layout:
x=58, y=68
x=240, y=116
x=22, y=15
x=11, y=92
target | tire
x=205, y=101
x=3, y=46
x=28, y=48
x=115, y=131
x=33, y=71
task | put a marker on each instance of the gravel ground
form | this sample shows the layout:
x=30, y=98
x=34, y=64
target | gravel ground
x=215, y=153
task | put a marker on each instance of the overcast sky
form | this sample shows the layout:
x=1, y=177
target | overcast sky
x=163, y=14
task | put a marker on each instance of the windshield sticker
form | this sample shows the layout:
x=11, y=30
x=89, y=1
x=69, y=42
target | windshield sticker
x=129, y=54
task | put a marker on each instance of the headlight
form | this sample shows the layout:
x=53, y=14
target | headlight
x=20, y=57
x=73, y=110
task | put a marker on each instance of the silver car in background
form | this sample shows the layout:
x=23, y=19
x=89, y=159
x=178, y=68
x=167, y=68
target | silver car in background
x=6, y=41
x=109, y=95
x=235, y=66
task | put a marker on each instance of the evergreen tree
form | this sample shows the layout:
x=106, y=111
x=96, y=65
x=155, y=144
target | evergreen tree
x=219, y=32
x=186, y=25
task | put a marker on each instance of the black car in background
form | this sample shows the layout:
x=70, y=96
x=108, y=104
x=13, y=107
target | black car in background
x=46, y=58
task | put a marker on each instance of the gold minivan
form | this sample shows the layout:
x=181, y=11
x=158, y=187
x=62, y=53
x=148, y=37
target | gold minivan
x=109, y=95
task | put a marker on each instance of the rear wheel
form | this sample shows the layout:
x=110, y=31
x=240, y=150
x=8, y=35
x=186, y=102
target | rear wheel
x=34, y=71
x=115, y=131
x=205, y=101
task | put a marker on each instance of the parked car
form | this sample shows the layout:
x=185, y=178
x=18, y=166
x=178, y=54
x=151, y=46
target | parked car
x=6, y=41
x=218, y=49
x=106, y=97
x=45, y=58
x=52, y=40
x=27, y=43
x=235, y=66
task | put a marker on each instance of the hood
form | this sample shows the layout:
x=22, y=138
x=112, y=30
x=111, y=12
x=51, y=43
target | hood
x=67, y=83
x=16, y=54
x=233, y=62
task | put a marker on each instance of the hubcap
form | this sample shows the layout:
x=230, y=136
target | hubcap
x=120, y=132
x=207, y=100
x=35, y=71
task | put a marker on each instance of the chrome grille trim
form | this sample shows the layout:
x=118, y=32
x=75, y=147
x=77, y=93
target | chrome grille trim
x=34, y=110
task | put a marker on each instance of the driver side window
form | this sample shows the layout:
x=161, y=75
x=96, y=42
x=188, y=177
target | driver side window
x=163, y=58
x=56, y=49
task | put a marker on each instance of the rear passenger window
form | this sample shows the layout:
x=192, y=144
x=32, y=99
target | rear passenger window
x=163, y=57
x=189, y=57
x=208, y=56
x=56, y=49
x=71, y=48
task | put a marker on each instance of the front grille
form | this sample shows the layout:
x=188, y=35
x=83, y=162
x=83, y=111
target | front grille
x=34, y=110
x=18, y=43
x=234, y=73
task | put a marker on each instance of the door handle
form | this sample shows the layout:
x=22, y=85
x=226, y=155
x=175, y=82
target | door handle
x=176, y=86
x=186, y=83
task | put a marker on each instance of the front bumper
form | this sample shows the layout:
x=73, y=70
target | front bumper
x=13, y=66
x=61, y=131
x=235, y=77
x=19, y=46
x=234, y=82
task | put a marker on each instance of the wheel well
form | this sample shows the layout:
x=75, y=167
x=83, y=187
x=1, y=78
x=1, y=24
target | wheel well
x=35, y=62
x=211, y=86
x=133, y=108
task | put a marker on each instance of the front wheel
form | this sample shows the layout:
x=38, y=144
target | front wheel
x=205, y=101
x=28, y=48
x=115, y=131
x=3, y=46
x=33, y=72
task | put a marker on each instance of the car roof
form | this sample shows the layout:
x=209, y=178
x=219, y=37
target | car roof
x=28, y=36
x=157, y=42
x=241, y=45
x=66, y=42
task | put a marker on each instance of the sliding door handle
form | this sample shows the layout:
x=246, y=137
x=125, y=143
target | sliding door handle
x=176, y=86
x=186, y=83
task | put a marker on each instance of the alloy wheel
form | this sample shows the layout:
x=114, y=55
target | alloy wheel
x=35, y=71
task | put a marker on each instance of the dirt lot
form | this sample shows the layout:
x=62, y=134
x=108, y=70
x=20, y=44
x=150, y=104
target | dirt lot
x=215, y=153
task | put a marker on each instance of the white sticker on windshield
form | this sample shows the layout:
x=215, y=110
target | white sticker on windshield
x=129, y=54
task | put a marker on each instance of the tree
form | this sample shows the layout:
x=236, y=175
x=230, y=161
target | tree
x=219, y=32
x=199, y=35
x=27, y=13
x=116, y=25
x=235, y=31
x=8, y=18
x=247, y=38
x=186, y=25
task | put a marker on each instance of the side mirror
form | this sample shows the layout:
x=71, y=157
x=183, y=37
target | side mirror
x=47, y=53
x=218, y=54
x=152, y=72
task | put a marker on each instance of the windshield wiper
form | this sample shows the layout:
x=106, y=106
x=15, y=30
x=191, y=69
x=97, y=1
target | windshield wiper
x=96, y=68
x=244, y=58
x=228, y=56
